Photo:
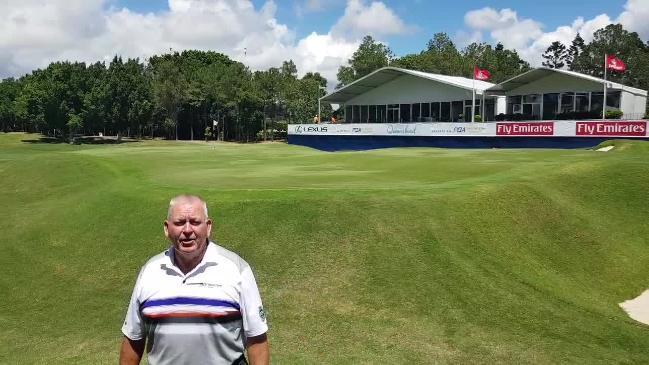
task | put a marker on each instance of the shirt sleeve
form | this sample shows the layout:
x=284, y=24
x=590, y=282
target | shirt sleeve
x=133, y=326
x=252, y=310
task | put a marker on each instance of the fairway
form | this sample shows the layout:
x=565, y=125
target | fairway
x=395, y=256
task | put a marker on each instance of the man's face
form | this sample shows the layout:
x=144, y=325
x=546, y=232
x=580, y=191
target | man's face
x=188, y=228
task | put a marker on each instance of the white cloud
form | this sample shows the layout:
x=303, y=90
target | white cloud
x=635, y=16
x=34, y=33
x=528, y=38
x=375, y=19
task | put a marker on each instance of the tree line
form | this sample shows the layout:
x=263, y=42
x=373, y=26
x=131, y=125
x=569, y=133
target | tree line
x=183, y=95
x=188, y=95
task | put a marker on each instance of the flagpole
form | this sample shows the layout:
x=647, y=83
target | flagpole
x=605, y=69
x=473, y=101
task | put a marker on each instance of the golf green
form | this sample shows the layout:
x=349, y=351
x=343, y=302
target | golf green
x=413, y=255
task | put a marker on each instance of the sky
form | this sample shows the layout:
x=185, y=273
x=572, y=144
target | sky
x=318, y=35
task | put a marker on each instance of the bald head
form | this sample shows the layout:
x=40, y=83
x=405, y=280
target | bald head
x=186, y=199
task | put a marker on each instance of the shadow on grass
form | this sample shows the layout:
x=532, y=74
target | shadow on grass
x=81, y=140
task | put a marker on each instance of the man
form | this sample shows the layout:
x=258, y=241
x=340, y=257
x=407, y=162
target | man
x=195, y=303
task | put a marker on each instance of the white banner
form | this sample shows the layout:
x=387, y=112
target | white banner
x=592, y=128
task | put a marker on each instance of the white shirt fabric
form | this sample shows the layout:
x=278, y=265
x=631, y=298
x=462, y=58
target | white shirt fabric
x=202, y=317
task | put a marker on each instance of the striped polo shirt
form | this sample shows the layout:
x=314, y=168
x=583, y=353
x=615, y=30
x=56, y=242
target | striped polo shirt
x=202, y=317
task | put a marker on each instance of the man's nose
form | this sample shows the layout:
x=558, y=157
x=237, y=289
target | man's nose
x=187, y=228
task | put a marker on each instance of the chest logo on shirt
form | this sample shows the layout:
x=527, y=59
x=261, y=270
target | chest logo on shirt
x=207, y=285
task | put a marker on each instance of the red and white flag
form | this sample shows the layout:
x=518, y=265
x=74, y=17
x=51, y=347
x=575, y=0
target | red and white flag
x=480, y=74
x=615, y=64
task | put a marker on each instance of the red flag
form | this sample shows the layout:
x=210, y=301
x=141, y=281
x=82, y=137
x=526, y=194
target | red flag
x=615, y=64
x=480, y=74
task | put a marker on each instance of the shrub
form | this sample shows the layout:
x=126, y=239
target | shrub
x=614, y=114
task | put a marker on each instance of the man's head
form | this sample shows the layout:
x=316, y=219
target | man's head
x=187, y=226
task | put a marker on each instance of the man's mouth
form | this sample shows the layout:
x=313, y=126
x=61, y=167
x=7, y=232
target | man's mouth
x=187, y=241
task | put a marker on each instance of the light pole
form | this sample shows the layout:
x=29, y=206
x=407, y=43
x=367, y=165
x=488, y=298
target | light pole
x=320, y=88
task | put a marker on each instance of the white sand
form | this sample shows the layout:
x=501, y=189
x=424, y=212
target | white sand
x=638, y=308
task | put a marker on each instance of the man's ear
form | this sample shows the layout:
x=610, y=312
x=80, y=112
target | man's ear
x=165, y=225
x=209, y=227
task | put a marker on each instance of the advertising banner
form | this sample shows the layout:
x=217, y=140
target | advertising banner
x=592, y=128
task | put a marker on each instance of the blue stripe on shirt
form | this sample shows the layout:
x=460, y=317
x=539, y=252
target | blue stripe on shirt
x=188, y=300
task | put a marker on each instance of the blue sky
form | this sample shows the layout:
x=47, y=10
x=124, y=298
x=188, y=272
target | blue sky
x=318, y=35
x=428, y=17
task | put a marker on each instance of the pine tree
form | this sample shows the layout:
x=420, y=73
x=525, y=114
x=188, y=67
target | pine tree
x=555, y=55
x=575, y=49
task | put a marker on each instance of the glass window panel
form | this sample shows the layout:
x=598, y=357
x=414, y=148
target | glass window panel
x=364, y=113
x=435, y=112
x=596, y=102
x=381, y=113
x=405, y=113
x=416, y=112
x=445, y=115
x=356, y=117
x=348, y=113
x=581, y=102
x=613, y=99
x=457, y=108
x=372, y=115
x=532, y=98
x=425, y=110
x=567, y=102
x=550, y=105
x=490, y=109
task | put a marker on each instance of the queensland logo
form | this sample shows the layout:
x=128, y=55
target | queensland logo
x=310, y=129
x=262, y=314
x=401, y=129
x=356, y=130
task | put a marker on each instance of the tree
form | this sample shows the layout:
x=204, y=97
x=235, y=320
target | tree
x=9, y=90
x=576, y=48
x=555, y=55
x=370, y=55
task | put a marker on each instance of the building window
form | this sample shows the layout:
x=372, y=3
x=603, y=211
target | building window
x=381, y=113
x=613, y=99
x=416, y=112
x=581, y=102
x=405, y=113
x=356, y=114
x=435, y=112
x=425, y=111
x=364, y=114
x=567, y=102
x=372, y=114
x=445, y=112
x=457, y=108
x=550, y=105
x=348, y=113
x=514, y=105
x=393, y=113
x=596, y=102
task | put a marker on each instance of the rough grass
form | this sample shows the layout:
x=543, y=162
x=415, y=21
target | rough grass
x=388, y=256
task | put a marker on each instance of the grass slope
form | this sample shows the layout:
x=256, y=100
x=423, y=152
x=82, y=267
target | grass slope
x=386, y=256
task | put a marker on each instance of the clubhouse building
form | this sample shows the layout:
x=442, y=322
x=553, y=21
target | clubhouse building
x=396, y=95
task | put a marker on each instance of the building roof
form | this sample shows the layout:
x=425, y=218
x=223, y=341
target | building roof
x=541, y=72
x=387, y=74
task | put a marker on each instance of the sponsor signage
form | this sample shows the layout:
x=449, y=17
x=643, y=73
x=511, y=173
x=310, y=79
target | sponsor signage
x=590, y=128
x=612, y=129
x=525, y=129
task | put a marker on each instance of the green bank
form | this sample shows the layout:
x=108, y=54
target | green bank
x=387, y=256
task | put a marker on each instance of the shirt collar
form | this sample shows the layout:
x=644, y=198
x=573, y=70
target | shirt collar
x=209, y=257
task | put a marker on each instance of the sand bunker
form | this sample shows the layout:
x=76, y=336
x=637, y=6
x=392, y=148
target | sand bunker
x=638, y=308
